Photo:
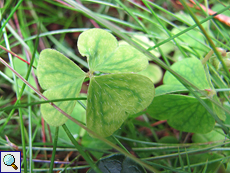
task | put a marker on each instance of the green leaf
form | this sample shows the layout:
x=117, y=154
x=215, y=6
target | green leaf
x=189, y=68
x=153, y=72
x=62, y=79
x=104, y=55
x=118, y=163
x=214, y=135
x=112, y=98
x=184, y=113
x=166, y=89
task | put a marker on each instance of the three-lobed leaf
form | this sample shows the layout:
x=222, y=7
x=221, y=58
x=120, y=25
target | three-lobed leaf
x=111, y=97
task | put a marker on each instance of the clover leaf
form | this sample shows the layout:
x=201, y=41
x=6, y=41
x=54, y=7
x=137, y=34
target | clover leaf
x=111, y=97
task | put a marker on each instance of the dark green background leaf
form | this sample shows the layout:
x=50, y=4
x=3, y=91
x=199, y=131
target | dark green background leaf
x=118, y=163
x=191, y=69
x=184, y=113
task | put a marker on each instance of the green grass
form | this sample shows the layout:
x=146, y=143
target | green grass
x=27, y=27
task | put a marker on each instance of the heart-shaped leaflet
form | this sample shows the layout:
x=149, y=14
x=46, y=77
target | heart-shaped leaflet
x=113, y=97
x=104, y=55
x=62, y=79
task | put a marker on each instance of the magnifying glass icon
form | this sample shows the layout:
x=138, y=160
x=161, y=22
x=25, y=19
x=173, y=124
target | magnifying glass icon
x=9, y=160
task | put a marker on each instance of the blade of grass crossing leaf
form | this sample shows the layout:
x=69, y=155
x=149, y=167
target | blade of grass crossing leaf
x=176, y=155
x=152, y=38
x=54, y=149
x=167, y=21
x=81, y=151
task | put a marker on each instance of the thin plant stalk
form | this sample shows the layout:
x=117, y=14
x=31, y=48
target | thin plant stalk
x=81, y=151
x=54, y=149
x=18, y=101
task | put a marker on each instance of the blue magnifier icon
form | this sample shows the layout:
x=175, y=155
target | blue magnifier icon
x=9, y=160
